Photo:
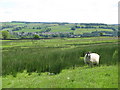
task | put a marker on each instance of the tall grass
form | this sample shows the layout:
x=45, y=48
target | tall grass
x=41, y=59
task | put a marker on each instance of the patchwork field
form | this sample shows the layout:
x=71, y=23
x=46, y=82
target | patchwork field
x=17, y=30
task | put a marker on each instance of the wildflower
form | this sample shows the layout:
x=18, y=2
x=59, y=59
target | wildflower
x=68, y=78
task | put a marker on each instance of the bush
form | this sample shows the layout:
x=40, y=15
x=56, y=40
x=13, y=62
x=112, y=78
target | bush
x=36, y=36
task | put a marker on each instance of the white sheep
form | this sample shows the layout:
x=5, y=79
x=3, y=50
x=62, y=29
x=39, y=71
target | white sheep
x=91, y=59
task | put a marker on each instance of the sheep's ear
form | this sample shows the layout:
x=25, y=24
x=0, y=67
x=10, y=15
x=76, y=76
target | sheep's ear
x=88, y=52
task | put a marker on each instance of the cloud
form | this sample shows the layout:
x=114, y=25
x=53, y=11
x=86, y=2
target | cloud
x=101, y=11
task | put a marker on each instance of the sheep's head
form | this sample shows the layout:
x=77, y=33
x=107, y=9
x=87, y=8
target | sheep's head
x=88, y=55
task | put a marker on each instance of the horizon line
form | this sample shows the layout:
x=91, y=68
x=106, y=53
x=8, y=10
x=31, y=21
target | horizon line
x=52, y=22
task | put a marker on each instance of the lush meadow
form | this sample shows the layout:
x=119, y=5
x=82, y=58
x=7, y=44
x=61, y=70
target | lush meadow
x=80, y=77
x=26, y=58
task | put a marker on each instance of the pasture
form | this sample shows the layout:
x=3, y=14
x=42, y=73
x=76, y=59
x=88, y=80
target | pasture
x=32, y=60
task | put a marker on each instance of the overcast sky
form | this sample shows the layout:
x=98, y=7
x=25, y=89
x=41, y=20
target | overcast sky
x=79, y=11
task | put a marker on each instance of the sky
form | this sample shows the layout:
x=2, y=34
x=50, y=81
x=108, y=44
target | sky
x=75, y=11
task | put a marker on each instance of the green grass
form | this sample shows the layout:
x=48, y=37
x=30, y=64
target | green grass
x=80, y=77
x=53, y=55
x=64, y=58
x=29, y=30
x=66, y=42
x=0, y=82
x=81, y=31
x=61, y=29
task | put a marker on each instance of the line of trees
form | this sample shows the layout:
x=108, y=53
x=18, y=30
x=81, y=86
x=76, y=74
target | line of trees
x=92, y=27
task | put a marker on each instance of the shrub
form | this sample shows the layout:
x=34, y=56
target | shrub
x=36, y=36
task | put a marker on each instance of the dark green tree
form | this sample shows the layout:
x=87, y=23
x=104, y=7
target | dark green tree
x=36, y=36
x=33, y=28
x=101, y=34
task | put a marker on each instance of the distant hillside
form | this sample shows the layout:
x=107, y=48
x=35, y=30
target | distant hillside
x=20, y=29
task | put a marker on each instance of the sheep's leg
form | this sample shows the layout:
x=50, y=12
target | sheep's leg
x=91, y=65
x=98, y=65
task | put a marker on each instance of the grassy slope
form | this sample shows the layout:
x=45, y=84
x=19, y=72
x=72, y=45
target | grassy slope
x=60, y=28
x=81, y=31
x=99, y=77
x=29, y=30
x=55, y=28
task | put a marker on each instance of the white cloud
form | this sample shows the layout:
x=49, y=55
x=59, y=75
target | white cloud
x=94, y=11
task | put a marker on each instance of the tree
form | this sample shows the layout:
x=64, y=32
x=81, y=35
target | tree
x=5, y=34
x=101, y=34
x=36, y=36
x=38, y=28
x=23, y=37
x=33, y=28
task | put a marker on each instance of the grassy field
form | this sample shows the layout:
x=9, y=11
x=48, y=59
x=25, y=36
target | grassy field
x=61, y=42
x=66, y=28
x=81, y=77
x=29, y=30
x=81, y=31
x=27, y=63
